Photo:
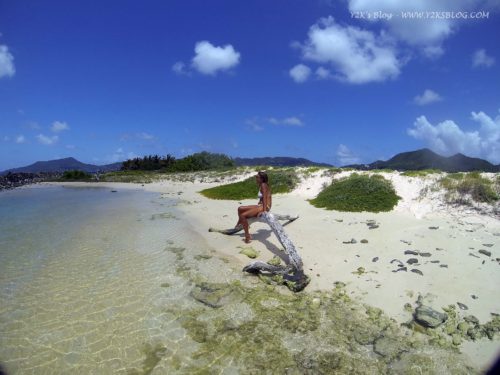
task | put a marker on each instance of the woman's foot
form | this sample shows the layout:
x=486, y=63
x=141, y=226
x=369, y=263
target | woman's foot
x=248, y=239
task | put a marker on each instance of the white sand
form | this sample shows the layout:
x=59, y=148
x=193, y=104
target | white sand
x=320, y=235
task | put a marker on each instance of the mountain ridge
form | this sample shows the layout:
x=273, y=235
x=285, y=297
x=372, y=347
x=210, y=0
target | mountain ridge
x=411, y=160
x=62, y=165
x=428, y=159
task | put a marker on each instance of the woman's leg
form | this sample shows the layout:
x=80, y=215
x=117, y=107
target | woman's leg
x=241, y=210
x=252, y=211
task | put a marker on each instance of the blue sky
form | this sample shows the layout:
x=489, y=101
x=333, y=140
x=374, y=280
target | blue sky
x=348, y=81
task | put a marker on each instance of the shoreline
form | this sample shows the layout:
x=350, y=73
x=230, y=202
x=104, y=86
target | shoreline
x=321, y=238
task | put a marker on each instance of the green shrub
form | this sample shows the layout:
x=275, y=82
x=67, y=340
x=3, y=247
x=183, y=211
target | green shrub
x=280, y=181
x=459, y=186
x=201, y=161
x=76, y=175
x=358, y=193
x=420, y=173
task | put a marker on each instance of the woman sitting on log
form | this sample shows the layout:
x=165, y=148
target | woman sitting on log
x=265, y=201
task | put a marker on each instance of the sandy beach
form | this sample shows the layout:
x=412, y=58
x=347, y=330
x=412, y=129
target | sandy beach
x=421, y=248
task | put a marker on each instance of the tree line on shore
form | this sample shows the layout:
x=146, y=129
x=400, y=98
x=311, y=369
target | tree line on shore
x=191, y=163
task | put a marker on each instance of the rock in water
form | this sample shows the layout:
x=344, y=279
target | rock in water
x=211, y=294
x=428, y=317
x=412, y=261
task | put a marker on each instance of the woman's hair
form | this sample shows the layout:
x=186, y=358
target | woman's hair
x=263, y=176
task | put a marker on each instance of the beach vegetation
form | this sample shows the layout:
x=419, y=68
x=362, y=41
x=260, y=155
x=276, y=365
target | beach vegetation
x=196, y=162
x=280, y=180
x=76, y=175
x=358, y=193
x=462, y=187
x=420, y=173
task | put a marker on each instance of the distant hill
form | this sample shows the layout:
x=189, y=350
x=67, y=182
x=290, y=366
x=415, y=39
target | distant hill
x=281, y=161
x=427, y=159
x=62, y=165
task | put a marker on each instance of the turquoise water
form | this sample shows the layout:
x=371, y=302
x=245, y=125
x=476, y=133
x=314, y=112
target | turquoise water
x=81, y=271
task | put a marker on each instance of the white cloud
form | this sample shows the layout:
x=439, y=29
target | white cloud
x=300, y=73
x=287, y=121
x=210, y=59
x=44, y=140
x=253, y=125
x=481, y=59
x=180, y=68
x=427, y=97
x=356, y=55
x=448, y=138
x=413, y=22
x=145, y=136
x=20, y=139
x=323, y=73
x=7, y=68
x=58, y=126
x=120, y=155
x=345, y=156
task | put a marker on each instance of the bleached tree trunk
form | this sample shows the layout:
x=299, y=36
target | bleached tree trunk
x=292, y=275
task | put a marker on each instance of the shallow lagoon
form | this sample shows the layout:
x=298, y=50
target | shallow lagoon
x=98, y=282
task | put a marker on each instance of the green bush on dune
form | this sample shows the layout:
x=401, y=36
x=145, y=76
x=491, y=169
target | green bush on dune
x=281, y=181
x=459, y=186
x=358, y=193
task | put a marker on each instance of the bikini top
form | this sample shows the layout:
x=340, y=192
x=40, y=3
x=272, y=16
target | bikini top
x=259, y=195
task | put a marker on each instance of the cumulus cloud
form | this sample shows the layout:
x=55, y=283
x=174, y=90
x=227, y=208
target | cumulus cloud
x=58, y=126
x=20, y=139
x=210, y=59
x=300, y=73
x=47, y=140
x=410, y=23
x=287, y=121
x=345, y=156
x=427, y=97
x=355, y=55
x=7, y=68
x=448, y=138
x=481, y=59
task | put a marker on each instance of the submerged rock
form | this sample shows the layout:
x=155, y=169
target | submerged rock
x=249, y=252
x=211, y=294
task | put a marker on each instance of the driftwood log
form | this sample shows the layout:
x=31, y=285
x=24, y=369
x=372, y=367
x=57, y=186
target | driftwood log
x=292, y=275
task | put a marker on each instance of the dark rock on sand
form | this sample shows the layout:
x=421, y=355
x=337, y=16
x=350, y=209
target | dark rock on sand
x=364, y=241
x=443, y=265
x=434, y=261
x=352, y=241
x=485, y=252
x=428, y=317
x=401, y=269
x=375, y=259
x=412, y=261
x=434, y=228
x=425, y=255
x=488, y=244
x=414, y=270
x=473, y=255
x=462, y=306
x=411, y=252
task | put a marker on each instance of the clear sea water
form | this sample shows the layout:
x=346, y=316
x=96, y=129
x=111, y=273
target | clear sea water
x=82, y=279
